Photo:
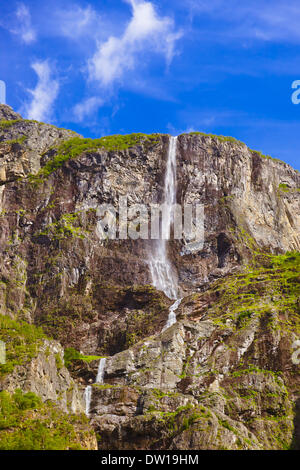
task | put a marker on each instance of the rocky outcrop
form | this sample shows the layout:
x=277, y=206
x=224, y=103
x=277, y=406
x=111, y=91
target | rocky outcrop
x=8, y=114
x=250, y=200
x=152, y=419
x=46, y=376
x=222, y=376
x=23, y=143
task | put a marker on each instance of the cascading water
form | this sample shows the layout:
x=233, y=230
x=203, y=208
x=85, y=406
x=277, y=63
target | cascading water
x=172, y=315
x=163, y=275
x=88, y=389
x=88, y=399
x=101, y=370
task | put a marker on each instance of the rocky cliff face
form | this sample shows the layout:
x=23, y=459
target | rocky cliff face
x=47, y=376
x=222, y=376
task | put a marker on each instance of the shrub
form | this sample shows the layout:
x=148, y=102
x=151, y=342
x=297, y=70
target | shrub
x=21, y=340
x=28, y=424
x=72, y=354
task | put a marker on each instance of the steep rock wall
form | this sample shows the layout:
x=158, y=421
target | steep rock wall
x=51, y=224
x=222, y=376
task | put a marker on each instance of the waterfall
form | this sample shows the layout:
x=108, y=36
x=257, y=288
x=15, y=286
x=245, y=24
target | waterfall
x=88, y=399
x=88, y=389
x=163, y=276
x=170, y=186
x=101, y=369
x=172, y=316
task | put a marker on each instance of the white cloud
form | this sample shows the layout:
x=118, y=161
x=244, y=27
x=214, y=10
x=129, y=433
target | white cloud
x=44, y=94
x=146, y=31
x=76, y=22
x=86, y=108
x=257, y=20
x=281, y=22
x=23, y=26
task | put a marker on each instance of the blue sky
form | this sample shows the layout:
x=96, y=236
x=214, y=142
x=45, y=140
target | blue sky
x=107, y=66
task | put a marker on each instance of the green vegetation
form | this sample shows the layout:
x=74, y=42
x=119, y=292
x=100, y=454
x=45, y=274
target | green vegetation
x=28, y=424
x=77, y=145
x=74, y=147
x=252, y=369
x=270, y=284
x=228, y=426
x=243, y=317
x=233, y=140
x=221, y=138
x=72, y=355
x=193, y=418
x=19, y=140
x=58, y=361
x=158, y=393
x=283, y=187
x=21, y=340
x=171, y=417
x=64, y=228
x=6, y=124
x=260, y=154
x=106, y=386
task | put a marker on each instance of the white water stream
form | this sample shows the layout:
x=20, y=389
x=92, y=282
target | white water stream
x=163, y=276
x=88, y=389
x=172, y=315
x=87, y=399
x=101, y=370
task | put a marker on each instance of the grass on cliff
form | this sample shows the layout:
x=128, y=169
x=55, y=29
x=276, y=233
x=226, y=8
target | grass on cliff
x=63, y=228
x=21, y=342
x=259, y=291
x=20, y=140
x=71, y=355
x=221, y=138
x=6, y=124
x=190, y=419
x=233, y=140
x=77, y=145
x=74, y=147
x=28, y=424
x=283, y=187
x=257, y=152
